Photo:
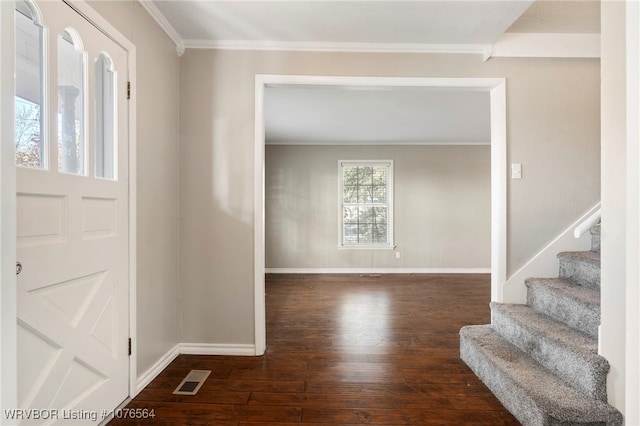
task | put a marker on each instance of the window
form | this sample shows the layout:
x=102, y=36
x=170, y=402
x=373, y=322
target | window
x=29, y=134
x=105, y=107
x=366, y=204
x=71, y=105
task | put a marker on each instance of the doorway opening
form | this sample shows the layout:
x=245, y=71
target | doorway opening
x=496, y=87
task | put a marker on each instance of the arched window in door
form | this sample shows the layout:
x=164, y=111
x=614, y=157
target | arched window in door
x=71, y=103
x=30, y=111
x=105, y=120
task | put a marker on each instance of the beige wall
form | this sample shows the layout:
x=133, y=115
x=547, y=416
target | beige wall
x=553, y=129
x=442, y=207
x=157, y=96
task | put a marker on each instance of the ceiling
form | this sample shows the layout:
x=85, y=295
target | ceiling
x=355, y=21
x=332, y=115
x=306, y=115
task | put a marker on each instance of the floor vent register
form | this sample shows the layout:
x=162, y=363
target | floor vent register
x=191, y=384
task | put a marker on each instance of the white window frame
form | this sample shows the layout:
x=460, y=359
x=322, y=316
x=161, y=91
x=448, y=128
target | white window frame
x=389, y=245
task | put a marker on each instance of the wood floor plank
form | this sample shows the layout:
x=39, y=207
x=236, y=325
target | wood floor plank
x=404, y=417
x=397, y=401
x=341, y=350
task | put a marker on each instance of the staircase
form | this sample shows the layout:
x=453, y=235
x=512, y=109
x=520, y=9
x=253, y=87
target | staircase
x=541, y=359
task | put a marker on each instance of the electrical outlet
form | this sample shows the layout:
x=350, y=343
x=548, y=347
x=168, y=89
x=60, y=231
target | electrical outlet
x=397, y=255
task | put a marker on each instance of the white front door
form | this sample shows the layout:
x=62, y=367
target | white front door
x=72, y=209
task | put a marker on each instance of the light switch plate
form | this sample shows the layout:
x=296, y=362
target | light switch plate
x=516, y=171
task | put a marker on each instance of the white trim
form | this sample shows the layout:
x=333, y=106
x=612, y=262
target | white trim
x=153, y=372
x=376, y=143
x=498, y=105
x=497, y=92
x=546, y=45
x=260, y=319
x=632, y=332
x=189, y=349
x=133, y=214
x=217, y=349
x=8, y=308
x=164, y=23
x=545, y=262
x=311, y=46
x=365, y=246
x=378, y=270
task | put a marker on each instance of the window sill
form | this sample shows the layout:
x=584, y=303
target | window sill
x=366, y=247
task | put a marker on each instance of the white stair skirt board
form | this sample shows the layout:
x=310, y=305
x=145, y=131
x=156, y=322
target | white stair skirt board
x=378, y=270
x=545, y=262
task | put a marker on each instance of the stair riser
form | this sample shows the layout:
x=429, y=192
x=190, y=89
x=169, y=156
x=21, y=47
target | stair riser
x=595, y=241
x=580, y=272
x=582, y=317
x=572, y=368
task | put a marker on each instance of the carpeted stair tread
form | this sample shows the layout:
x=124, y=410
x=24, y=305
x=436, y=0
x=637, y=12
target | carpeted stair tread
x=581, y=267
x=534, y=395
x=572, y=304
x=570, y=354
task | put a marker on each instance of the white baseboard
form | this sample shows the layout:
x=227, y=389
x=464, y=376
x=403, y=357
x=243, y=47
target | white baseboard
x=147, y=377
x=217, y=349
x=545, y=263
x=190, y=349
x=378, y=270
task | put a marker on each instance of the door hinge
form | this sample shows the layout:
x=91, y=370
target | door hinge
x=129, y=346
x=128, y=90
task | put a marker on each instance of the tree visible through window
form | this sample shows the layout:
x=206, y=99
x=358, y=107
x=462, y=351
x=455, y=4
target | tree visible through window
x=366, y=202
x=29, y=94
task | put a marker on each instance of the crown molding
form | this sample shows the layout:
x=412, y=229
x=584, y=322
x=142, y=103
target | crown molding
x=163, y=22
x=508, y=45
x=273, y=45
x=377, y=143
x=546, y=45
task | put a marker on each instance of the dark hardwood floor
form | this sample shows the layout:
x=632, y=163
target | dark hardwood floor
x=344, y=349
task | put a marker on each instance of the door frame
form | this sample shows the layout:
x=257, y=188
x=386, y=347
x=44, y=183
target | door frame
x=8, y=308
x=497, y=93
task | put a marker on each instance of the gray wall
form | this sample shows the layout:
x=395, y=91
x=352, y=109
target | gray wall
x=553, y=129
x=157, y=95
x=442, y=207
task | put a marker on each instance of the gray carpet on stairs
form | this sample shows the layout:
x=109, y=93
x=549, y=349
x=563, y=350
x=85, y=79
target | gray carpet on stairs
x=540, y=359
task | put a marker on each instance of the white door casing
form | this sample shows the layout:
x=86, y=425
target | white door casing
x=497, y=92
x=73, y=244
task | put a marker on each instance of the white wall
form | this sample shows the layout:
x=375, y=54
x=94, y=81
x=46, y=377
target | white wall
x=553, y=117
x=442, y=207
x=613, y=260
x=632, y=337
x=158, y=153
